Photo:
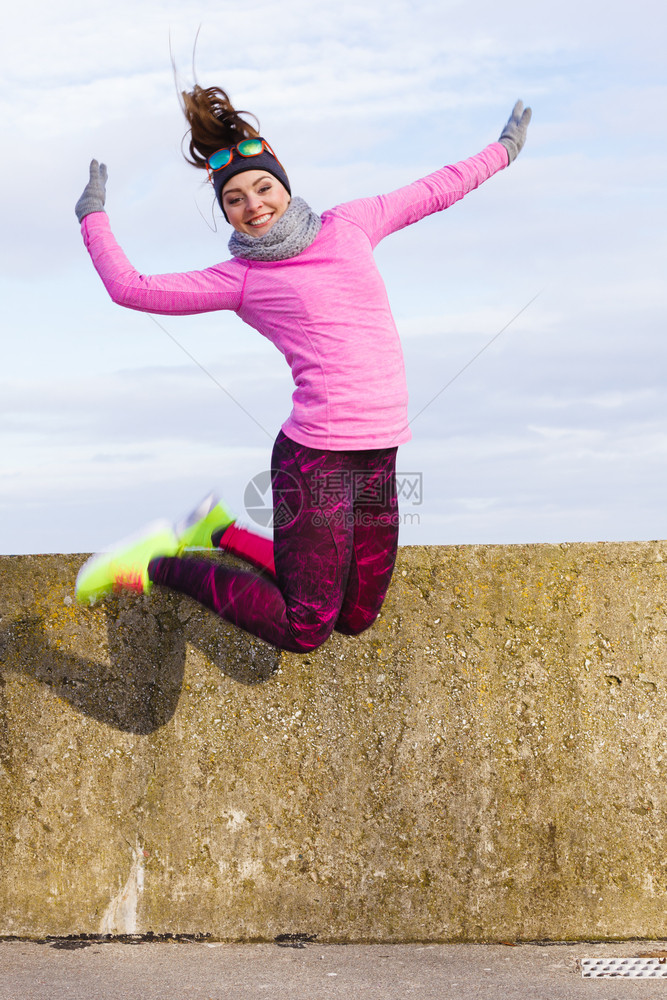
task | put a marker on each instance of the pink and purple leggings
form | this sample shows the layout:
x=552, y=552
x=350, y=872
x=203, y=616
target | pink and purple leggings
x=329, y=565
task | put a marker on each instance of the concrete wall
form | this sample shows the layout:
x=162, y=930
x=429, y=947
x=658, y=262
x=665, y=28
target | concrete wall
x=488, y=762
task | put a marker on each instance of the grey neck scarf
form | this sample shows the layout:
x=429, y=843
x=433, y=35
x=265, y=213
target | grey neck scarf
x=293, y=232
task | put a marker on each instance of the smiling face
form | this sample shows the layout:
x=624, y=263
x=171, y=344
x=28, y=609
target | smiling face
x=253, y=201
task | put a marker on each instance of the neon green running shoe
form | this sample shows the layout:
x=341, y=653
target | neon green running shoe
x=125, y=566
x=195, y=530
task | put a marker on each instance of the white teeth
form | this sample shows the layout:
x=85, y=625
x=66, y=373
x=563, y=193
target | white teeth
x=260, y=222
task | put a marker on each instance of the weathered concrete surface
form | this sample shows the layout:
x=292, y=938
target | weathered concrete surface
x=488, y=762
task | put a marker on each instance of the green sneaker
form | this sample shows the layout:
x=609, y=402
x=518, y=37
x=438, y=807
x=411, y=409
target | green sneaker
x=195, y=530
x=125, y=566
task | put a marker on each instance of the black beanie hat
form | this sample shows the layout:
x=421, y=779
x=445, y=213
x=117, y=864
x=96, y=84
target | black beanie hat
x=240, y=164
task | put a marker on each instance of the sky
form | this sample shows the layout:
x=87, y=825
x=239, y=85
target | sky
x=532, y=313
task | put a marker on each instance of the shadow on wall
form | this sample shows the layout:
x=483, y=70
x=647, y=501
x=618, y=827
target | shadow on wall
x=122, y=662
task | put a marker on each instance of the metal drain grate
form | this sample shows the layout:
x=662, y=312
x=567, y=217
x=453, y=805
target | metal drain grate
x=628, y=968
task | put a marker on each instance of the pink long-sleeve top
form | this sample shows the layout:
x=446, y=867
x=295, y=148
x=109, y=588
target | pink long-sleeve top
x=326, y=309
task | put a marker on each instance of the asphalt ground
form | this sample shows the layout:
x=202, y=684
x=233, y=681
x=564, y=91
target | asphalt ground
x=148, y=970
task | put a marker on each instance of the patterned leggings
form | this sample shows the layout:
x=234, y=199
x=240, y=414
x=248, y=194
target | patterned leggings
x=329, y=566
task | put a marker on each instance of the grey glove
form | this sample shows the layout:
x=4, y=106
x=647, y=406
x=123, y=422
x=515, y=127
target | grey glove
x=513, y=135
x=94, y=193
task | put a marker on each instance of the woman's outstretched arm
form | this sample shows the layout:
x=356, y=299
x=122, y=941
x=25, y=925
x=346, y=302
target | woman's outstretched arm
x=217, y=287
x=385, y=214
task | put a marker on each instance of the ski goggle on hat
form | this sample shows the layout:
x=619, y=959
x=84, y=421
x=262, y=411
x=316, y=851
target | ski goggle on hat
x=247, y=147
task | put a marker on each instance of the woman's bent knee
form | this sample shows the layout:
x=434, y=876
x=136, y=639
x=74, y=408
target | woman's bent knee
x=305, y=638
x=356, y=623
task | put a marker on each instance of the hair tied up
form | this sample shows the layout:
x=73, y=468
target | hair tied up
x=214, y=123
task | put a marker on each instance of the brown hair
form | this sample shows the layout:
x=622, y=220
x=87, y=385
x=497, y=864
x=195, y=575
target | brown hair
x=214, y=123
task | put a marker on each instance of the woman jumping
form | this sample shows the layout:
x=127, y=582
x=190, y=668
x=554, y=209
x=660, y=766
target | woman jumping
x=310, y=285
